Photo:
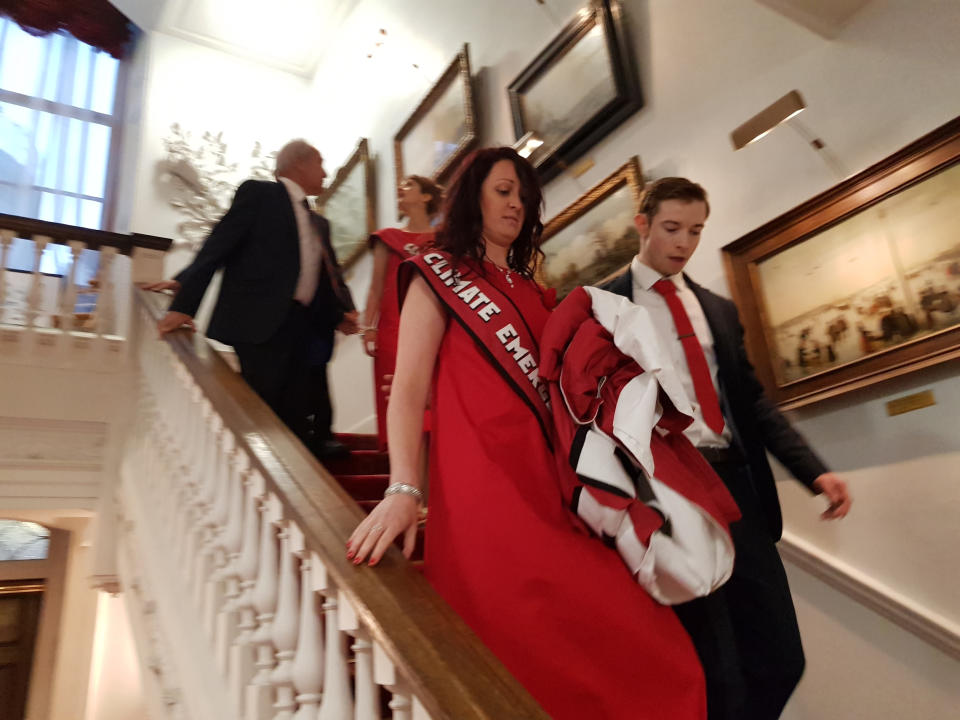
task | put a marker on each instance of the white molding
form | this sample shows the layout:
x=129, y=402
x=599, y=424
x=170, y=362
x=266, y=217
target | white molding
x=930, y=627
x=35, y=444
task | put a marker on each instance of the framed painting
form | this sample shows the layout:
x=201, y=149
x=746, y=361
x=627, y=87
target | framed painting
x=595, y=236
x=349, y=205
x=579, y=88
x=442, y=129
x=859, y=284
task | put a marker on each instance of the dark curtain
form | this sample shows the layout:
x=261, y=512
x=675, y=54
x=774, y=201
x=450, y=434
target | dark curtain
x=94, y=22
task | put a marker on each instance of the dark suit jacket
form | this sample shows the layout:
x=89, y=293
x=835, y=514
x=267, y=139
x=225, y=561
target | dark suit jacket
x=754, y=420
x=257, y=245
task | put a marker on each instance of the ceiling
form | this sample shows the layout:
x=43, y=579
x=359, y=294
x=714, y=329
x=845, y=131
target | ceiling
x=292, y=36
x=825, y=17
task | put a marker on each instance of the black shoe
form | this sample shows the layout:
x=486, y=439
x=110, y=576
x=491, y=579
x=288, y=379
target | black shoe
x=331, y=448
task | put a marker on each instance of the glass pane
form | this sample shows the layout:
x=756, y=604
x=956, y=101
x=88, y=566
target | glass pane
x=21, y=64
x=95, y=161
x=23, y=540
x=91, y=214
x=81, y=76
x=104, y=83
x=49, y=82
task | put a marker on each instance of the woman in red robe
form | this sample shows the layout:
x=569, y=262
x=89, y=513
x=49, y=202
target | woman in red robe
x=418, y=199
x=558, y=607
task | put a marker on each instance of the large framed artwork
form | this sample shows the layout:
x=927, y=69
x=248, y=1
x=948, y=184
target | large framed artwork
x=442, y=129
x=859, y=284
x=349, y=205
x=578, y=89
x=595, y=236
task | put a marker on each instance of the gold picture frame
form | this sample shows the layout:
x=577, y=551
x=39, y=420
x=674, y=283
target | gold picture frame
x=349, y=205
x=443, y=127
x=859, y=284
x=595, y=236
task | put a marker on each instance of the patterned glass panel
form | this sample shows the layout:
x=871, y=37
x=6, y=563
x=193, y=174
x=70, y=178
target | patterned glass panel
x=23, y=540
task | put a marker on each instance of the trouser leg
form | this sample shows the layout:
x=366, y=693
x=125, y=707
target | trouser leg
x=761, y=609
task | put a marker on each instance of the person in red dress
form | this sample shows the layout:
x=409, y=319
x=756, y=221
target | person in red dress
x=418, y=199
x=558, y=607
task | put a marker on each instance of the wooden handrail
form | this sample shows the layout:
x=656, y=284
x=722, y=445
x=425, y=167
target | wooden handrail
x=94, y=239
x=452, y=673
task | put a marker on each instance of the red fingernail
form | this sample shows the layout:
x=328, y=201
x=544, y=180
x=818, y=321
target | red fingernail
x=350, y=554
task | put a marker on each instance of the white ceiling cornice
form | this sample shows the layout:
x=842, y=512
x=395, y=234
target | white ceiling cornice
x=292, y=36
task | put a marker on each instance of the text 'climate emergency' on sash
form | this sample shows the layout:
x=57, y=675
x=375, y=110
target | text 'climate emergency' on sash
x=495, y=323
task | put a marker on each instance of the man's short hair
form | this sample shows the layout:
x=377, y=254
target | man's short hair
x=670, y=188
x=292, y=153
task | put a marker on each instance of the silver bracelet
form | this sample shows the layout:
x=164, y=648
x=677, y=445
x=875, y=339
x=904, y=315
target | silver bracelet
x=404, y=489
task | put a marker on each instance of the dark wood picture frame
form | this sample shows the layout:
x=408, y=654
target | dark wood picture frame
x=349, y=250
x=628, y=175
x=458, y=71
x=551, y=159
x=920, y=161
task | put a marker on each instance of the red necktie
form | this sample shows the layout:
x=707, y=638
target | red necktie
x=696, y=361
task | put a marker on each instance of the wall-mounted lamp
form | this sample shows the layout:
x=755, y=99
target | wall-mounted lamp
x=526, y=145
x=767, y=119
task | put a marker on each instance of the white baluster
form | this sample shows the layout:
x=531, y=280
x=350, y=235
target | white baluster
x=242, y=651
x=106, y=310
x=260, y=689
x=337, y=701
x=308, y=664
x=385, y=674
x=232, y=542
x=36, y=288
x=365, y=691
x=68, y=303
x=6, y=239
x=286, y=624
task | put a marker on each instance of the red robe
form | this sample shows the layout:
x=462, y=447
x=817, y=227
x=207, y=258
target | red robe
x=402, y=245
x=558, y=607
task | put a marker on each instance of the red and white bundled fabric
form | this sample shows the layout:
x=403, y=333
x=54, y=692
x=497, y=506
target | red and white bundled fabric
x=628, y=471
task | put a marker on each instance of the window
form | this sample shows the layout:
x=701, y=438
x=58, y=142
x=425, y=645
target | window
x=20, y=540
x=58, y=124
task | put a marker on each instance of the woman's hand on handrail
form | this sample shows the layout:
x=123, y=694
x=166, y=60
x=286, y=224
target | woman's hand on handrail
x=393, y=516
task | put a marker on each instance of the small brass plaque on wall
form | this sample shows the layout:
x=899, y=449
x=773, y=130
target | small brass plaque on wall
x=910, y=402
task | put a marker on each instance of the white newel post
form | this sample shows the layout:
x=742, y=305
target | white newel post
x=6, y=239
x=260, y=690
x=286, y=624
x=106, y=303
x=308, y=665
x=337, y=701
x=385, y=674
x=242, y=651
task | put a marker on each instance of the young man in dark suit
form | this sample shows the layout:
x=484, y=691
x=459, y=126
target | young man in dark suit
x=282, y=294
x=745, y=633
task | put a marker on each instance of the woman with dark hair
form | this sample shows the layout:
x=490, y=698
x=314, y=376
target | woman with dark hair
x=558, y=607
x=418, y=199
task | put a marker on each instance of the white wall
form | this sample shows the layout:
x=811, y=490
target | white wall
x=207, y=90
x=116, y=691
x=706, y=65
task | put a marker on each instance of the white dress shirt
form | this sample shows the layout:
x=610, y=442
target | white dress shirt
x=643, y=294
x=310, y=248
